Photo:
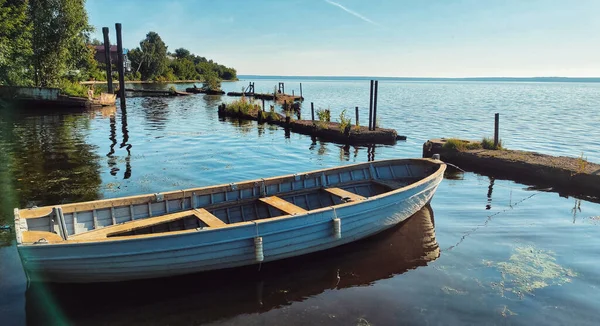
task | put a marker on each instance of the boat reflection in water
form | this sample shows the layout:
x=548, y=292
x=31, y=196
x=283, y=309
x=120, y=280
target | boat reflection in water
x=211, y=296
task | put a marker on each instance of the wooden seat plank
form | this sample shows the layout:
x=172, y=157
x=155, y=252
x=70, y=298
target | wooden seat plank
x=283, y=205
x=344, y=194
x=131, y=226
x=35, y=236
x=209, y=219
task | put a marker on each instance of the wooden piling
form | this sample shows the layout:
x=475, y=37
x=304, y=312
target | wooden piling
x=375, y=105
x=356, y=114
x=496, y=129
x=371, y=106
x=301, y=91
x=263, y=104
x=108, y=61
x=120, y=67
x=312, y=111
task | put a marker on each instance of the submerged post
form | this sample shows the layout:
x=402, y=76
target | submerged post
x=108, y=61
x=375, y=104
x=371, y=106
x=496, y=129
x=356, y=113
x=312, y=111
x=120, y=64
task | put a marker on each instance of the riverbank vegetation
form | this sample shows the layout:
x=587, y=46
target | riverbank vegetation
x=48, y=44
x=45, y=43
x=151, y=61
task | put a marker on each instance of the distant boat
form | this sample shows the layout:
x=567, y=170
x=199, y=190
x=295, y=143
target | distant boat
x=45, y=96
x=223, y=226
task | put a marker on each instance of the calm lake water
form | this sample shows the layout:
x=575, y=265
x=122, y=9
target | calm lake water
x=485, y=252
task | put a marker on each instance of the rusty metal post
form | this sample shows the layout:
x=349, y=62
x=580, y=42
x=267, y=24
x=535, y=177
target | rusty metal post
x=108, y=61
x=312, y=111
x=356, y=113
x=375, y=104
x=120, y=67
x=496, y=129
x=371, y=106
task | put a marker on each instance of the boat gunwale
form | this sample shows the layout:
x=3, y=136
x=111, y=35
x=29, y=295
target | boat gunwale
x=224, y=187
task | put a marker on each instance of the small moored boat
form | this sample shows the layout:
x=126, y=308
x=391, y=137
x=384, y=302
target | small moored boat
x=223, y=226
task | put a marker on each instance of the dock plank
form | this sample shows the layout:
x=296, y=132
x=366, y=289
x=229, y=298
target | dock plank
x=209, y=219
x=344, y=194
x=283, y=205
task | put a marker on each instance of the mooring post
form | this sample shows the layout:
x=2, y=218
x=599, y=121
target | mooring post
x=375, y=105
x=293, y=93
x=356, y=113
x=120, y=67
x=301, y=92
x=496, y=129
x=108, y=61
x=285, y=107
x=312, y=111
x=263, y=104
x=371, y=105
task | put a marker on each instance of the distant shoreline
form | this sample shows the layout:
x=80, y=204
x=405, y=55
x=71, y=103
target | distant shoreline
x=116, y=82
x=417, y=79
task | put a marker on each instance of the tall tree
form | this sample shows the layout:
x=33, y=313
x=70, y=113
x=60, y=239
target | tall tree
x=15, y=43
x=60, y=34
x=154, y=56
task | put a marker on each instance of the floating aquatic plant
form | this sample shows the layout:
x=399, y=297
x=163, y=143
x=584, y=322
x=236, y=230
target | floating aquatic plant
x=529, y=269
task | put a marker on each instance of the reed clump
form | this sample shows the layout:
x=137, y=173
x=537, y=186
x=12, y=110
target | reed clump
x=488, y=143
x=243, y=106
x=345, y=122
x=460, y=145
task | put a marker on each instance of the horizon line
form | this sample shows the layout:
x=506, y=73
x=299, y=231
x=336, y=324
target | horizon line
x=404, y=77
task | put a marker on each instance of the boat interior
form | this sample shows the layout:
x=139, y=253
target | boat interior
x=218, y=206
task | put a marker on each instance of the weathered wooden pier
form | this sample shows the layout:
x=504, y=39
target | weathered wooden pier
x=154, y=92
x=326, y=130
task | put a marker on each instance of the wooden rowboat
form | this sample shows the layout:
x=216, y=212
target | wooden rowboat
x=222, y=226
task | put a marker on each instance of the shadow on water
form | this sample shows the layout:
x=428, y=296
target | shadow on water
x=211, y=296
x=155, y=112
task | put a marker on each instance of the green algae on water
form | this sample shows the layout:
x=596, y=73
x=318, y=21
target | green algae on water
x=529, y=269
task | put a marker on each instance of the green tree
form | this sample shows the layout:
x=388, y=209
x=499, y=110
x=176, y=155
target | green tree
x=60, y=33
x=154, y=56
x=15, y=43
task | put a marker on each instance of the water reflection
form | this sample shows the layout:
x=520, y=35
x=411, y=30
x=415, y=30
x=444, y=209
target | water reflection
x=206, y=297
x=49, y=159
x=155, y=112
x=489, y=193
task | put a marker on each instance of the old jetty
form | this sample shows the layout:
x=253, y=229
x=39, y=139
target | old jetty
x=154, y=92
x=573, y=175
x=330, y=131
x=195, y=90
x=268, y=97
x=45, y=96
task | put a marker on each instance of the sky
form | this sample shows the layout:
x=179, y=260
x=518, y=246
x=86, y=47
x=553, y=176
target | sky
x=387, y=38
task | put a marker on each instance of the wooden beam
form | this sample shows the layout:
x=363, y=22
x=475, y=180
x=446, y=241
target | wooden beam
x=129, y=226
x=344, y=194
x=283, y=205
x=209, y=219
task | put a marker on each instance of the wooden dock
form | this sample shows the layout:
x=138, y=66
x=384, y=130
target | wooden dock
x=268, y=97
x=153, y=92
x=328, y=131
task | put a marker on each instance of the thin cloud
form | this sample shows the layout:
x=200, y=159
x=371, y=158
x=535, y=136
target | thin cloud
x=352, y=12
